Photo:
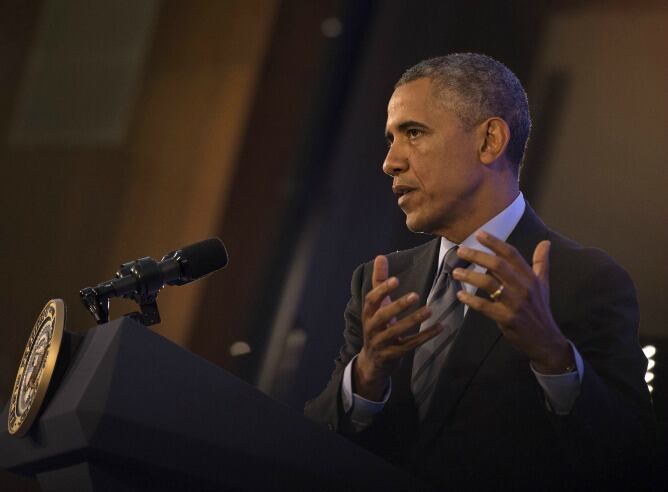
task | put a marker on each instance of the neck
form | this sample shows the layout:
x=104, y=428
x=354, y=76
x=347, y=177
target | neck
x=485, y=206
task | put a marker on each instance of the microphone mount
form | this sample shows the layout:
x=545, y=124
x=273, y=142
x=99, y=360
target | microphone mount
x=142, y=279
x=143, y=272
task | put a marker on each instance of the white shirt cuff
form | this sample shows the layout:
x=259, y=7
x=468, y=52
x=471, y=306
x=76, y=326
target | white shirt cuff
x=561, y=390
x=360, y=410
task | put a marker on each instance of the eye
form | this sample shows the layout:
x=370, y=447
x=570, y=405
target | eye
x=413, y=133
x=389, y=139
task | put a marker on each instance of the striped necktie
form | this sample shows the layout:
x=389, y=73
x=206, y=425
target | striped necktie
x=447, y=310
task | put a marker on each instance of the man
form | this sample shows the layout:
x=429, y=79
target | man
x=522, y=368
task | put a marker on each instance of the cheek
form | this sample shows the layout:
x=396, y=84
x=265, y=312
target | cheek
x=452, y=181
x=429, y=168
x=440, y=175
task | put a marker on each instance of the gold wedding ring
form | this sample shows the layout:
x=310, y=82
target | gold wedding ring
x=497, y=293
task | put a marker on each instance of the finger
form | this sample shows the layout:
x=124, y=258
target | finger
x=380, y=271
x=541, y=261
x=413, y=341
x=404, y=326
x=480, y=280
x=380, y=274
x=494, y=310
x=503, y=250
x=386, y=314
x=495, y=265
x=376, y=297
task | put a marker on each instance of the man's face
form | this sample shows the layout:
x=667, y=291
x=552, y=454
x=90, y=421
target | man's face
x=433, y=160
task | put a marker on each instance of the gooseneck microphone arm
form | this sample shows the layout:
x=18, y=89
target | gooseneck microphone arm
x=142, y=279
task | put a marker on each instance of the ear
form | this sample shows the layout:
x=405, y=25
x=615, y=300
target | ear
x=494, y=136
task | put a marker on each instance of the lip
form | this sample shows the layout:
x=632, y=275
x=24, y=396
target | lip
x=402, y=192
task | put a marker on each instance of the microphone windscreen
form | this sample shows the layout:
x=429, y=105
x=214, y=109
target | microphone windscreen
x=205, y=257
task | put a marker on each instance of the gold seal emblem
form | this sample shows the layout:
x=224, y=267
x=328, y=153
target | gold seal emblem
x=36, y=369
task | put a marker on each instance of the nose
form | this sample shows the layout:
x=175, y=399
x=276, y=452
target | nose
x=395, y=162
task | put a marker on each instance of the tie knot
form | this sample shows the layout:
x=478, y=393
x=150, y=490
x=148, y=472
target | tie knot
x=452, y=261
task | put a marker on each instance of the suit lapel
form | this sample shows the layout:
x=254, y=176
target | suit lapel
x=424, y=266
x=476, y=338
x=416, y=273
x=417, y=276
x=529, y=231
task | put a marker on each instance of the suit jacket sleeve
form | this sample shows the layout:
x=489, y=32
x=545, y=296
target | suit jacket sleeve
x=326, y=408
x=611, y=421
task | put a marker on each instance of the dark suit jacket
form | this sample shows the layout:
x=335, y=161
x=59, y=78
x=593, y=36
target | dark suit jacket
x=489, y=427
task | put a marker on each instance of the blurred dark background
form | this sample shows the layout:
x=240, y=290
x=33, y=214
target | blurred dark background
x=129, y=129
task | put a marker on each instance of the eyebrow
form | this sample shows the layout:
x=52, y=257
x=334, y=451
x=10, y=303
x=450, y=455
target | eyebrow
x=405, y=125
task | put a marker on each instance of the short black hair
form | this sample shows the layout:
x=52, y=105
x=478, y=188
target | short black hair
x=479, y=87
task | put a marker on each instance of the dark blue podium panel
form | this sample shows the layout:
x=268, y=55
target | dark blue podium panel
x=134, y=411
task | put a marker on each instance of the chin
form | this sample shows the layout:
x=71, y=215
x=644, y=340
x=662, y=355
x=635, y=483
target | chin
x=425, y=223
x=414, y=224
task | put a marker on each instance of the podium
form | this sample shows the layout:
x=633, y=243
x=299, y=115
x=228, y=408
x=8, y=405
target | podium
x=133, y=411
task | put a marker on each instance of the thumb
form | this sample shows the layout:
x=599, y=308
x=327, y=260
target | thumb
x=541, y=261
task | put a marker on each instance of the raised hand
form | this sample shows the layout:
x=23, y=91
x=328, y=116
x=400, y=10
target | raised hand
x=386, y=339
x=520, y=304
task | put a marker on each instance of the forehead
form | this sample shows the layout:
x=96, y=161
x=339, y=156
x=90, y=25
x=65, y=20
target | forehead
x=417, y=95
x=420, y=101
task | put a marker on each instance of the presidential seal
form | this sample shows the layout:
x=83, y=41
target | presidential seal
x=36, y=369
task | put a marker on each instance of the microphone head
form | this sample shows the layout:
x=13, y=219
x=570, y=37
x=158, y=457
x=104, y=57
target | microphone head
x=204, y=257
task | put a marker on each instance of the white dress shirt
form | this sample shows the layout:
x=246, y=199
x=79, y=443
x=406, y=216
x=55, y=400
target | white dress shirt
x=560, y=390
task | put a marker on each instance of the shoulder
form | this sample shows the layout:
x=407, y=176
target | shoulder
x=582, y=277
x=574, y=260
x=570, y=262
x=567, y=257
x=400, y=263
x=401, y=260
x=404, y=259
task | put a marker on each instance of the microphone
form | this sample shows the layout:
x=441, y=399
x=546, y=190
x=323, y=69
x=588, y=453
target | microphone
x=142, y=279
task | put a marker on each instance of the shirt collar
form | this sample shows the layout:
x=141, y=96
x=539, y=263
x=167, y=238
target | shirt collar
x=500, y=225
